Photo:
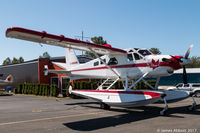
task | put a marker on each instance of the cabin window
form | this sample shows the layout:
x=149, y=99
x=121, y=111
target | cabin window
x=130, y=57
x=137, y=57
x=113, y=61
x=186, y=85
x=96, y=63
x=104, y=61
x=196, y=85
x=179, y=85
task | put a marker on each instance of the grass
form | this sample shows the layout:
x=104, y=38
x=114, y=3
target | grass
x=3, y=93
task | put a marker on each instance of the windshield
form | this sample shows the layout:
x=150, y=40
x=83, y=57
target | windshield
x=144, y=52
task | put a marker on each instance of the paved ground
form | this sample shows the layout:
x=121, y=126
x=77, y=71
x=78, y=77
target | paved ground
x=30, y=114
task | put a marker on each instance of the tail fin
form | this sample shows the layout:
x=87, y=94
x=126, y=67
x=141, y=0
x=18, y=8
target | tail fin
x=71, y=59
x=9, y=78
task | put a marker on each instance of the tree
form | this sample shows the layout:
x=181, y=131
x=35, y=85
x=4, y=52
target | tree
x=20, y=60
x=15, y=61
x=7, y=61
x=97, y=40
x=195, y=62
x=155, y=51
x=45, y=55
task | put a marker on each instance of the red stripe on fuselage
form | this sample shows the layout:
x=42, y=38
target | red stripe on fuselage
x=128, y=66
x=118, y=66
x=152, y=94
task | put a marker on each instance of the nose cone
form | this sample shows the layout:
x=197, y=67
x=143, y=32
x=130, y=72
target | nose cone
x=184, y=61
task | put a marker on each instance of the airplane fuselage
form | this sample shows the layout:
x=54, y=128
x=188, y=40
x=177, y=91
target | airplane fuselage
x=126, y=67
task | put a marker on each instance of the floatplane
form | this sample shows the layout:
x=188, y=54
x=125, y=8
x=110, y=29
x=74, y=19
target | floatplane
x=7, y=81
x=127, y=65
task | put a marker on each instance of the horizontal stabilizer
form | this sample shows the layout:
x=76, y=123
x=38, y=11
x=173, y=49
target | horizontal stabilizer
x=57, y=72
x=68, y=73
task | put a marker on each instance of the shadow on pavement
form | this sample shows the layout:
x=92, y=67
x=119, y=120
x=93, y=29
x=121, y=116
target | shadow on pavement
x=129, y=116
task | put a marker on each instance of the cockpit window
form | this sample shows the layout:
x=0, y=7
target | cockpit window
x=130, y=57
x=113, y=61
x=137, y=57
x=144, y=52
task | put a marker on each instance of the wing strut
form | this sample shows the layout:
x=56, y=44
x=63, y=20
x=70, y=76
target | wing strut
x=105, y=63
x=133, y=85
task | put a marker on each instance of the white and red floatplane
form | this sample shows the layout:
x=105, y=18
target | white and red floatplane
x=132, y=64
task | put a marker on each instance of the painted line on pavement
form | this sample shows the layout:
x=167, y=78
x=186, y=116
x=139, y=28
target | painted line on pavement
x=51, y=118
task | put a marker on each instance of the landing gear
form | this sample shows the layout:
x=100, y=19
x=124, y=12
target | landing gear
x=197, y=94
x=104, y=106
x=163, y=112
x=193, y=105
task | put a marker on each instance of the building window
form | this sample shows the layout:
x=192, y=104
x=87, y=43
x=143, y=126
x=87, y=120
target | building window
x=64, y=83
x=55, y=81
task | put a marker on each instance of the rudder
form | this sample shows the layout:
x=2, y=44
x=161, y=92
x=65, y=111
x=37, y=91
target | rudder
x=71, y=59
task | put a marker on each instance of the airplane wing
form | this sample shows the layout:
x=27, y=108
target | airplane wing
x=62, y=41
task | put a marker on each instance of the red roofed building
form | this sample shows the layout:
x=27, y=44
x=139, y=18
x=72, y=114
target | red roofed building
x=33, y=72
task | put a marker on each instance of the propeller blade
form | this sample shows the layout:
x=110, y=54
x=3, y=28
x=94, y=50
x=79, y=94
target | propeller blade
x=188, y=51
x=184, y=75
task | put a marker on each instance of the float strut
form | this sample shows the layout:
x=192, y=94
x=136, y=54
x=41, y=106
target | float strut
x=163, y=112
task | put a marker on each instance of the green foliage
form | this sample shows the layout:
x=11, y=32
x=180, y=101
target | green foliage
x=8, y=61
x=155, y=50
x=19, y=89
x=14, y=61
x=37, y=89
x=195, y=62
x=52, y=90
x=67, y=89
x=45, y=55
x=97, y=40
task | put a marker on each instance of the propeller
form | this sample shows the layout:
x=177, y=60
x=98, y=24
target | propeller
x=188, y=51
x=185, y=60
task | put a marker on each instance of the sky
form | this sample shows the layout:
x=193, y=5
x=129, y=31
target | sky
x=169, y=25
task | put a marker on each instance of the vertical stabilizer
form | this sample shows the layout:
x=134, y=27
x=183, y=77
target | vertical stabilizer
x=71, y=59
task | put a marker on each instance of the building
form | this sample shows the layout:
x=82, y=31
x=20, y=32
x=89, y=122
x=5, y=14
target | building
x=193, y=76
x=33, y=72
